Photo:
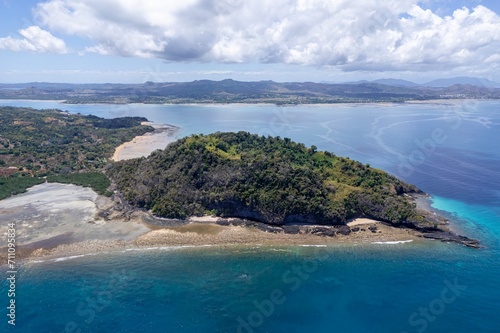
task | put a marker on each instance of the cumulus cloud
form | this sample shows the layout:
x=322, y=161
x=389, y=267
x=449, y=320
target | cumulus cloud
x=352, y=35
x=35, y=40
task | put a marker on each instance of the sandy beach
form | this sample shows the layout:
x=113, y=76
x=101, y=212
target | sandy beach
x=145, y=144
x=439, y=101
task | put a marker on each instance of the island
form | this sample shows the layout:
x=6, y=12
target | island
x=271, y=183
x=217, y=189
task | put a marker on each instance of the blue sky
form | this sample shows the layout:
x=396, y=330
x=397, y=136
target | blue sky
x=283, y=40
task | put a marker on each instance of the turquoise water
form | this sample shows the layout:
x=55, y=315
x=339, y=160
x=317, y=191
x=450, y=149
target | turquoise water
x=345, y=289
x=450, y=151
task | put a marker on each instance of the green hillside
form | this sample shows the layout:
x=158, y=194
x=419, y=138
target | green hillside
x=272, y=180
x=37, y=143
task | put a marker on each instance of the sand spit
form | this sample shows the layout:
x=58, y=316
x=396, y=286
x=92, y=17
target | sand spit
x=145, y=144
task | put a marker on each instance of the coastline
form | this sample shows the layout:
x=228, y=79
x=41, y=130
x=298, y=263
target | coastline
x=59, y=220
x=194, y=235
x=315, y=104
x=441, y=101
x=143, y=145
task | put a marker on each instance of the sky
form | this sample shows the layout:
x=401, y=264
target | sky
x=134, y=41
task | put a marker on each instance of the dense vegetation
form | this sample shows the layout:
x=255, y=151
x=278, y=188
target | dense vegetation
x=15, y=185
x=96, y=180
x=267, y=179
x=37, y=143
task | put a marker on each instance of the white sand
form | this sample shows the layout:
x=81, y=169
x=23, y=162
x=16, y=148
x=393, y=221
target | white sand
x=142, y=146
x=201, y=219
x=361, y=221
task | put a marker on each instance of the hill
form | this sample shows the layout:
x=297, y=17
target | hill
x=39, y=143
x=270, y=180
x=231, y=91
x=472, y=81
x=396, y=82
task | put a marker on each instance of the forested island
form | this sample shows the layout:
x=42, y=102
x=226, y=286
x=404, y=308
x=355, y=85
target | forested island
x=270, y=180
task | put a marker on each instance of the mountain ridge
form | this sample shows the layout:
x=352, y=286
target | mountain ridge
x=233, y=91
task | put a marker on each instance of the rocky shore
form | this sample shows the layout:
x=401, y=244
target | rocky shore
x=65, y=220
x=61, y=220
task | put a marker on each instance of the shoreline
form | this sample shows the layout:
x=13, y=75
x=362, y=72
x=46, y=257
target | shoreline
x=143, y=145
x=344, y=104
x=68, y=253
x=54, y=220
x=87, y=223
x=194, y=235
x=208, y=104
x=58, y=220
x=445, y=101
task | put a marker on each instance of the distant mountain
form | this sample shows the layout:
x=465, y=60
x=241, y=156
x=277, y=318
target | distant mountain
x=396, y=82
x=231, y=91
x=464, y=80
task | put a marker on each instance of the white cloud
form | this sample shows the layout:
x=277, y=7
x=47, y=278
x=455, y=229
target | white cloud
x=351, y=35
x=35, y=40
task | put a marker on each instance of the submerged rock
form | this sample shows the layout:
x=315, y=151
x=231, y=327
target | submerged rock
x=446, y=236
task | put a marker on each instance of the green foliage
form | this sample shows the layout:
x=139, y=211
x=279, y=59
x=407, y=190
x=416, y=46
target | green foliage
x=121, y=122
x=41, y=142
x=95, y=180
x=15, y=185
x=262, y=178
x=60, y=142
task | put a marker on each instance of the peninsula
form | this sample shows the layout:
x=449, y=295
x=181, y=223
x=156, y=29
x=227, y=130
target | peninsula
x=217, y=189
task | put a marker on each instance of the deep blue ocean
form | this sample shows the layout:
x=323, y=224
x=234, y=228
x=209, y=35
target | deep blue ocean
x=449, y=150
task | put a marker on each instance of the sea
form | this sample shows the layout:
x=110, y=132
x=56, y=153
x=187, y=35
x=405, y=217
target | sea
x=449, y=149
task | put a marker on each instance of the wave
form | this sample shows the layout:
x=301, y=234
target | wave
x=394, y=242
x=71, y=257
x=168, y=248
